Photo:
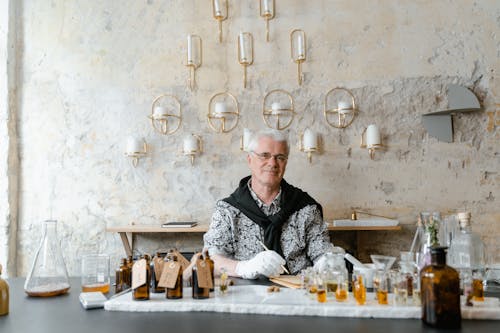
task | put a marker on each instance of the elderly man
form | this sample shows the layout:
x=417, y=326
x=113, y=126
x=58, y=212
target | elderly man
x=266, y=210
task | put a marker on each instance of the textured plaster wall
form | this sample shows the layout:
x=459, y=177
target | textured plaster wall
x=89, y=71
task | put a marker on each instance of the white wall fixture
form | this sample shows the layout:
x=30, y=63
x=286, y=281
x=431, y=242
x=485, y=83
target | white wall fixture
x=135, y=149
x=194, y=58
x=371, y=139
x=266, y=8
x=439, y=124
x=278, y=109
x=220, y=12
x=166, y=114
x=223, y=112
x=192, y=146
x=245, y=139
x=339, y=108
x=309, y=143
x=245, y=53
x=298, y=51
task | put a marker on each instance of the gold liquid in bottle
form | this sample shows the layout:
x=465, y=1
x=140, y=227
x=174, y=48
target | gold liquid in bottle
x=104, y=288
x=359, y=291
x=382, y=297
x=142, y=292
x=4, y=295
x=477, y=290
x=341, y=294
x=176, y=291
x=331, y=287
x=321, y=295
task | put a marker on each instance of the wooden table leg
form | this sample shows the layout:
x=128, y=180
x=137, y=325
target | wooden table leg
x=126, y=243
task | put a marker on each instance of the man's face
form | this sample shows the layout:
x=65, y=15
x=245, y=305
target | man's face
x=268, y=162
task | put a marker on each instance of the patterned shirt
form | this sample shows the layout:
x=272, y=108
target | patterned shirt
x=304, y=236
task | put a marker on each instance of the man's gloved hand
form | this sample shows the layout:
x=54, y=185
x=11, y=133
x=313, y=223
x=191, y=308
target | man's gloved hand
x=321, y=263
x=266, y=263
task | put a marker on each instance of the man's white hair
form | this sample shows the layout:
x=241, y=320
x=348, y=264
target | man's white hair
x=275, y=135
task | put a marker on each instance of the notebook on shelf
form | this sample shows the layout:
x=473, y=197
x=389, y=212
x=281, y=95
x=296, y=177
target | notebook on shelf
x=179, y=224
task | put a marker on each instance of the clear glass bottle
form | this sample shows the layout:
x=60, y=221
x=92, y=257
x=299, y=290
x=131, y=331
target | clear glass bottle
x=4, y=295
x=48, y=275
x=335, y=270
x=176, y=291
x=467, y=253
x=440, y=292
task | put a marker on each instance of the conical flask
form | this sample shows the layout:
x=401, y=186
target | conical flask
x=48, y=275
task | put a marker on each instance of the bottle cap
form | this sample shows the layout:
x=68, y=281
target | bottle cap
x=438, y=249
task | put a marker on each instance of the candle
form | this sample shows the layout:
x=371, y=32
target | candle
x=217, y=8
x=267, y=11
x=277, y=108
x=160, y=112
x=300, y=47
x=190, y=144
x=344, y=107
x=220, y=109
x=243, y=54
x=310, y=140
x=135, y=145
x=372, y=136
x=246, y=138
x=190, y=59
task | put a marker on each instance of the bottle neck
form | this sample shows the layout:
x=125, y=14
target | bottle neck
x=438, y=259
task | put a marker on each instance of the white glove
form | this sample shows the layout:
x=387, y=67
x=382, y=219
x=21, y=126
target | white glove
x=320, y=264
x=266, y=263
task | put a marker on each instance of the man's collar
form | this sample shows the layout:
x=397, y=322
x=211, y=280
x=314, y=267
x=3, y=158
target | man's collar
x=260, y=203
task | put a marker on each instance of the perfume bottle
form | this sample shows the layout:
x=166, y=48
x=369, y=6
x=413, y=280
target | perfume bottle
x=142, y=291
x=156, y=269
x=198, y=292
x=121, y=277
x=176, y=291
x=210, y=264
x=4, y=295
x=440, y=292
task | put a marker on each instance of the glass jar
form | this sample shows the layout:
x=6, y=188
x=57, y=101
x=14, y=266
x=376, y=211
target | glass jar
x=48, y=275
x=4, y=295
x=440, y=292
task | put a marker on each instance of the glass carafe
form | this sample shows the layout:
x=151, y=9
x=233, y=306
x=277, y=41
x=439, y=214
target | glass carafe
x=48, y=275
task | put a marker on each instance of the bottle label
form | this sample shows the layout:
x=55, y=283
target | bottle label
x=180, y=258
x=139, y=273
x=169, y=274
x=158, y=267
x=204, y=274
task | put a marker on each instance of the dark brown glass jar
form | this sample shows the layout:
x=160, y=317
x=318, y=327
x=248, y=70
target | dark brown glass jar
x=176, y=291
x=198, y=293
x=155, y=278
x=142, y=292
x=210, y=264
x=440, y=292
x=121, y=277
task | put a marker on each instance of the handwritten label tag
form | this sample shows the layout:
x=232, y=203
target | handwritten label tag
x=158, y=267
x=169, y=274
x=139, y=273
x=204, y=274
x=180, y=258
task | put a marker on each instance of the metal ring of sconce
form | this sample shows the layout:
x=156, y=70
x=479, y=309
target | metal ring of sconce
x=161, y=121
x=224, y=118
x=343, y=116
x=278, y=114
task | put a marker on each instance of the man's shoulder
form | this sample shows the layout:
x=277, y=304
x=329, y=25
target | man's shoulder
x=222, y=205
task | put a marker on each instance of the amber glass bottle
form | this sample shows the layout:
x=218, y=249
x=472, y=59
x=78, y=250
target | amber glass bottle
x=198, y=293
x=4, y=295
x=211, y=264
x=440, y=290
x=142, y=292
x=176, y=291
x=130, y=263
x=121, y=277
x=155, y=278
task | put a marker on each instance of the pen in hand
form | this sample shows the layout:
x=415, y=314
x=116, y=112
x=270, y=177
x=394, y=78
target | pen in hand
x=282, y=266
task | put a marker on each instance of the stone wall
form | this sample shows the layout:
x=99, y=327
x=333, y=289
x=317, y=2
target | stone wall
x=88, y=71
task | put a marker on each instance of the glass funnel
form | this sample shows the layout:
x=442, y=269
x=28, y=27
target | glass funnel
x=48, y=275
x=382, y=262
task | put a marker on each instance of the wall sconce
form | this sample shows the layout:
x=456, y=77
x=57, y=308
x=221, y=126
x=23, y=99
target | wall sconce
x=220, y=11
x=194, y=56
x=345, y=111
x=245, y=53
x=223, y=112
x=308, y=143
x=370, y=138
x=278, y=105
x=166, y=107
x=136, y=148
x=245, y=139
x=192, y=146
x=266, y=8
x=298, y=50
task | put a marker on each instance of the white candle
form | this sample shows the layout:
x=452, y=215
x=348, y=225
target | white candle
x=246, y=138
x=300, y=46
x=190, y=144
x=220, y=109
x=372, y=136
x=276, y=108
x=190, y=59
x=267, y=11
x=135, y=145
x=160, y=111
x=344, y=107
x=310, y=140
x=217, y=8
x=243, y=54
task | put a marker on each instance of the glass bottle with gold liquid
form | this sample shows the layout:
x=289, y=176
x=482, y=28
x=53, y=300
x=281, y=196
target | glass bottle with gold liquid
x=176, y=291
x=358, y=287
x=141, y=269
x=4, y=295
x=440, y=290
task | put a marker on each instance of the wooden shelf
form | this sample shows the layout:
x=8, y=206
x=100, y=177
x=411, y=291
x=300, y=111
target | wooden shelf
x=365, y=228
x=155, y=229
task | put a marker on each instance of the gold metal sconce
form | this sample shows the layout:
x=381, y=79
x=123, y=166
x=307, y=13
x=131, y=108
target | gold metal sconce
x=298, y=51
x=192, y=146
x=166, y=114
x=220, y=11
x=136, y=148
x=223, y=112
x=245, y=53
x=344, y=112
x=266, y=8
x=278, y=106
x=194, y=56
x=370, y=138
x=309, y=143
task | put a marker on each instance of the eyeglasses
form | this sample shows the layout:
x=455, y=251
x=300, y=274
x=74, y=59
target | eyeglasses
x=267, y=156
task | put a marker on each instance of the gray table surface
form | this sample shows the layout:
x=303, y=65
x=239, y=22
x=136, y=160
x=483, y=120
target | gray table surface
x=65, y=314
